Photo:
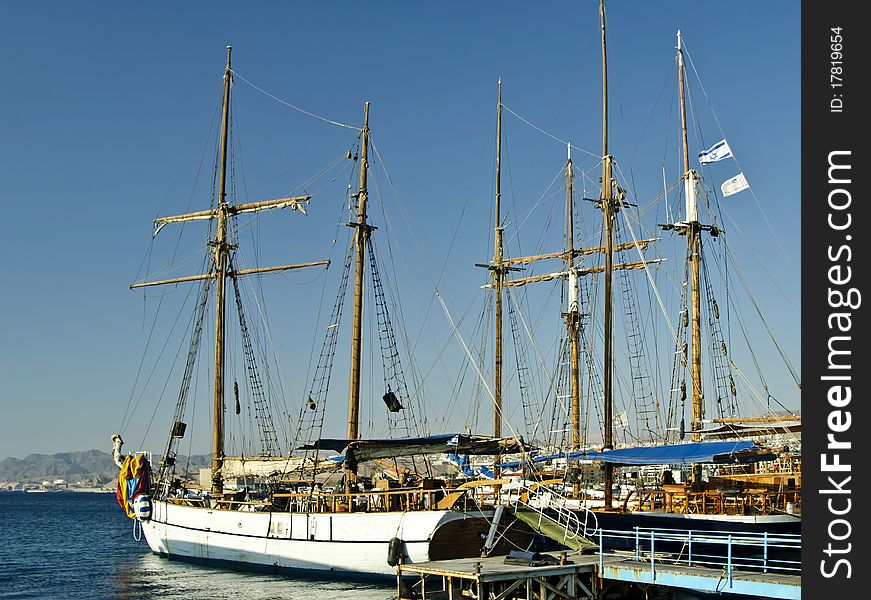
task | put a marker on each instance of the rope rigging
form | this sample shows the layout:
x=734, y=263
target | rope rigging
x=595, y=387
x=559, y=435
x=400, y=415
x=311, y=415
x=531, y=411
x=678, y=389
x=719, y=357
x=482, y=365
x=269, y=445
x=644, y=404
x=167, y=465
x=289, y=105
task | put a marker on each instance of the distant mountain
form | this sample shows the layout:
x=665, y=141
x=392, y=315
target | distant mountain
x=92, y=466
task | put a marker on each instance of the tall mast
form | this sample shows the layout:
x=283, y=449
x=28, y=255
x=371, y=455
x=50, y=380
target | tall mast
x=221, y=248
x=608, y=209
x=361, y=236
x=572, y=315
x=498, y=275
x=683, y=111
x=694, y=242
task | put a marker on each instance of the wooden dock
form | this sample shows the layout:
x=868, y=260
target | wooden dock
x=569, y=576
x=572, y=576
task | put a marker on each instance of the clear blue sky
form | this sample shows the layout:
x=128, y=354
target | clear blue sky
x=105, y=111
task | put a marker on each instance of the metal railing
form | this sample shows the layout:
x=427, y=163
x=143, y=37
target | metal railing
x=555, y=507
x=727, y=550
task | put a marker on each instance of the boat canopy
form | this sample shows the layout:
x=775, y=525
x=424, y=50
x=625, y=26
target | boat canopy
x=455, y=443
x=671, y=454
x=675, y=454
x=698, y=452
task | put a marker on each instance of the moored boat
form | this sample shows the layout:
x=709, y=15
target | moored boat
x=285, y=517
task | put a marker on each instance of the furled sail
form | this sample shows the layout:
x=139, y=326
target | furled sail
x=455, y=443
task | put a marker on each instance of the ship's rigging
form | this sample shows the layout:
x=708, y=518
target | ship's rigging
x=267, y=435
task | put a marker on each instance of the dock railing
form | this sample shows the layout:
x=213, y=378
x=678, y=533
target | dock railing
x=729, y=550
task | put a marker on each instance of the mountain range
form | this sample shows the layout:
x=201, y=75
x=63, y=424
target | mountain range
x=93, y=467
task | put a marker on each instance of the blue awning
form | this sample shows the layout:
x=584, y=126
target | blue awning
x=672, y=454
x=698, y=452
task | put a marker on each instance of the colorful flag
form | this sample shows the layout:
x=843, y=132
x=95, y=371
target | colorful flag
x=734, y=185
x=718, y=151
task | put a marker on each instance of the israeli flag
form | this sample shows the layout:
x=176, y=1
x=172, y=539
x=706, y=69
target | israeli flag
x=717, y=152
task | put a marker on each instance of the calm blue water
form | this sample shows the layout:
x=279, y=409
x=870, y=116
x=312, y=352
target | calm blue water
x=80, y=545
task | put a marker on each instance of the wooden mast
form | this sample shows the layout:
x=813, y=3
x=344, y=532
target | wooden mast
x=608, y=209
x=610, y=204
x=222, y=214
x=573, y=315
x=362, y=234
x=498, y=277
x=501, y=265
x=694, y=242
x=221, y=247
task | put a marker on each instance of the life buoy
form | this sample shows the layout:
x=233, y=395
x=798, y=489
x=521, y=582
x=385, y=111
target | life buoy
x=142, y=507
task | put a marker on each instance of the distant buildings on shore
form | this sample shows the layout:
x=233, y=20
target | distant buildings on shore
x=57, y=485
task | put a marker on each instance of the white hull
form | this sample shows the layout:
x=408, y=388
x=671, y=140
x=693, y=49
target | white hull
x=352, y=543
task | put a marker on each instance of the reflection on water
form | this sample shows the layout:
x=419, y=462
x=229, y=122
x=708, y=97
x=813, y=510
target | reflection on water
x=150, y=576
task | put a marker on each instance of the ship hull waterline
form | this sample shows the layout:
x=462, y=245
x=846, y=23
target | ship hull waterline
x=771, y=524
x=335, y=544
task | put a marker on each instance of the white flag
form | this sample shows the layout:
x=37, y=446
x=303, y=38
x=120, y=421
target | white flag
x=734, y=185
x=621, y=420
x=718, y=151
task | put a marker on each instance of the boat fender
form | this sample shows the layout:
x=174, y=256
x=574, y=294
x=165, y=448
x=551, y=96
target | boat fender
x=394, y=551
x=142, y=507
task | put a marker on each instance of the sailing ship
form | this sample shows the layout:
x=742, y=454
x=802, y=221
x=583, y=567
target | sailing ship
x=697, y=504
x=290, y=518
x=738, y=499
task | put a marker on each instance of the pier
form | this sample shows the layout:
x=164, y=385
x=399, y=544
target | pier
x=739, y=565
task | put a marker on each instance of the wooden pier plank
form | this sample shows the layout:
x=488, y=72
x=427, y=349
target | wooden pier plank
x=494, y=568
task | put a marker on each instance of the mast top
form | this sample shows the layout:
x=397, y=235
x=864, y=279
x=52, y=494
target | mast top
x=678, y=39
x=604, y=81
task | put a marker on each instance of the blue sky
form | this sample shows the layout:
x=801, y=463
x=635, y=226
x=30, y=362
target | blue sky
x=105, y=116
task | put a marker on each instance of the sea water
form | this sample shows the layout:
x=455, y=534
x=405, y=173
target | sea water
x=57, y=545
